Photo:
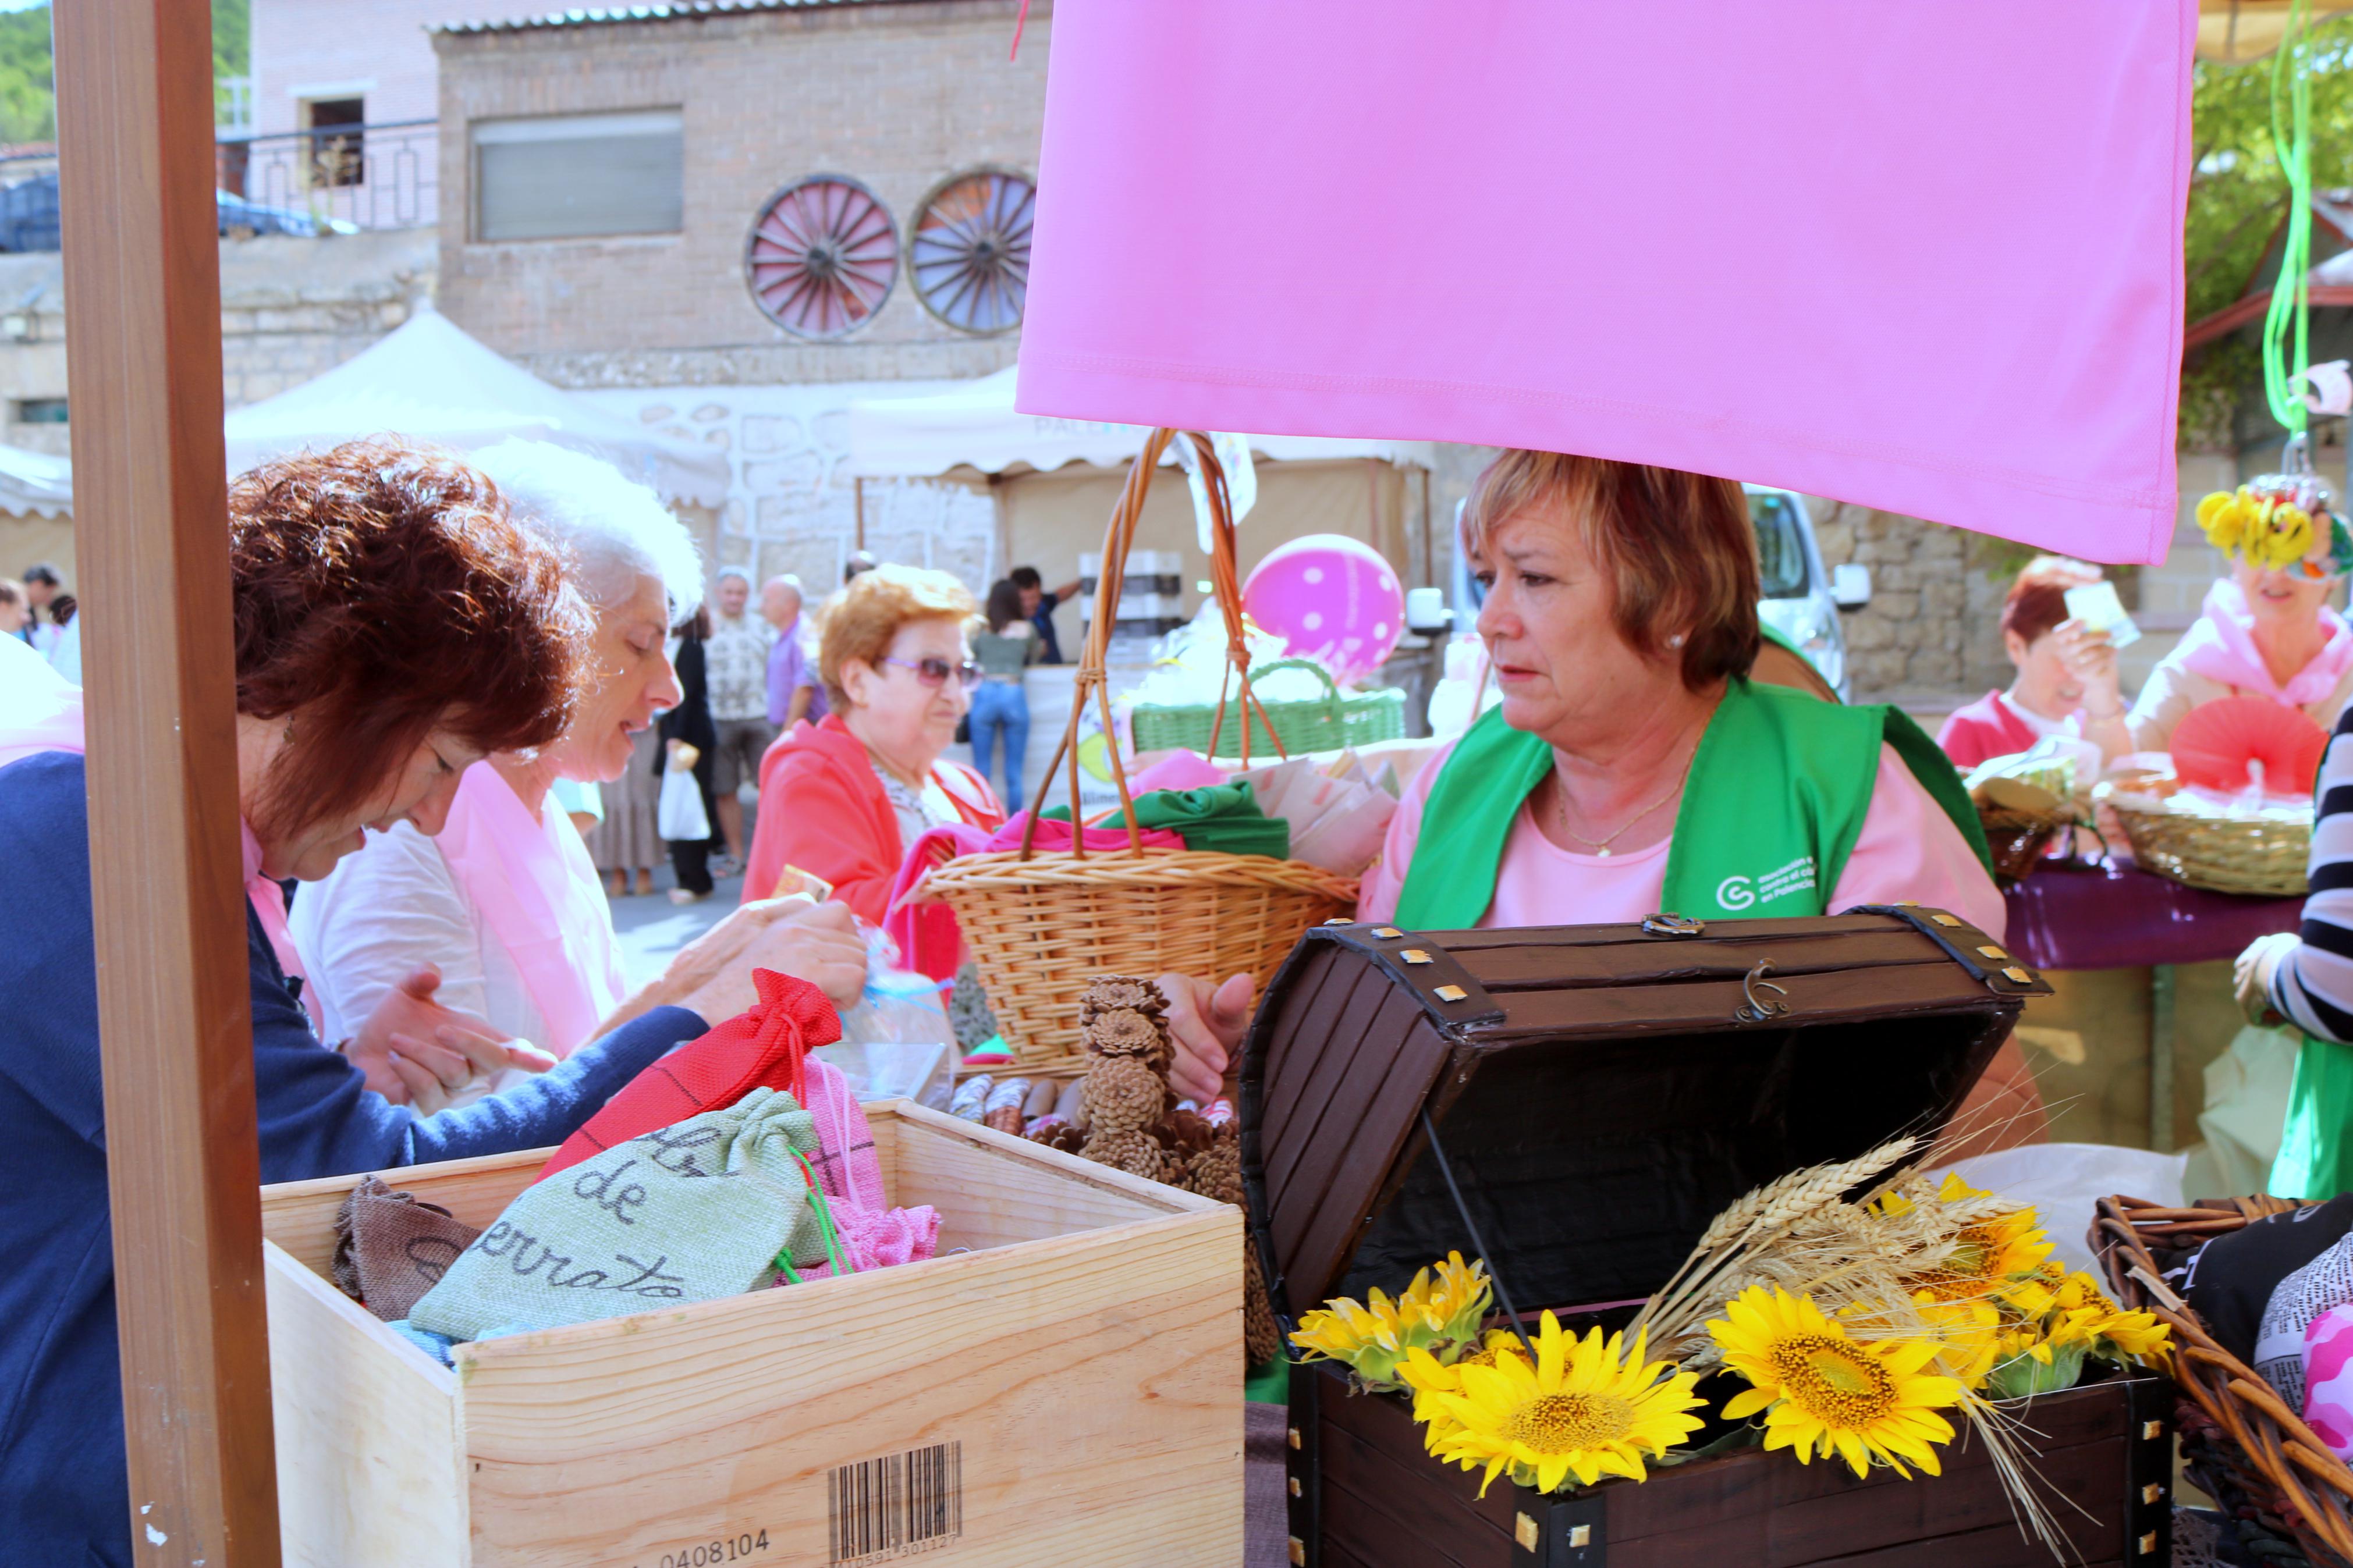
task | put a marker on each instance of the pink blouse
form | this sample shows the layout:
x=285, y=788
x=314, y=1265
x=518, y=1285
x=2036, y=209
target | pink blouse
x=1909, y=849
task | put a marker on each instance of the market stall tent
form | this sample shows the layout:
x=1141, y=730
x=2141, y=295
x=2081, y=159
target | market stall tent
x=429, y=381
x=36, y=513
x=1056, y=481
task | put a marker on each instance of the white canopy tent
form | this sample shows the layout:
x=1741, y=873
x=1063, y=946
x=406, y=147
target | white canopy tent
x=975, y=426
x=431, y=381
x=36, y=513
x=1055, y=480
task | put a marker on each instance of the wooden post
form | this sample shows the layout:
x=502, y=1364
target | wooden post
x=134, y=98
x=858, y=493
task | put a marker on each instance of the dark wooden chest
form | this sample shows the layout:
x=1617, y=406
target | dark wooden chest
x=1597, y=1094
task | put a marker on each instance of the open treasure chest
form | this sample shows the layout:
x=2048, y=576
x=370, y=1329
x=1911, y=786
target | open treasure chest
x=1574, y=1105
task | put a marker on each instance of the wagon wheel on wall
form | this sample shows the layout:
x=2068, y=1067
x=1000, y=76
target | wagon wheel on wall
x=822, y=257
x=970, y=250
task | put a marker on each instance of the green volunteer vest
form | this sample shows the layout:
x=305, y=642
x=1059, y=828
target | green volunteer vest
x=1772, y=809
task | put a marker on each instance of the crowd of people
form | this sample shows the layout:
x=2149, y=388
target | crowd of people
x=36, y=610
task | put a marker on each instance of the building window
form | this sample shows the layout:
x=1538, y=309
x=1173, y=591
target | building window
x=40, y=411
x=337, y=156
x=569, y=177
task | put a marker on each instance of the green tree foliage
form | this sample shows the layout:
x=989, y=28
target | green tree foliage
x=28, y=110
x=2237, y=197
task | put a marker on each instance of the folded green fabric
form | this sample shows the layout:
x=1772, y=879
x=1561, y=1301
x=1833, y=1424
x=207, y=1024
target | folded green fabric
x=691, y=1211
x=1222, y=818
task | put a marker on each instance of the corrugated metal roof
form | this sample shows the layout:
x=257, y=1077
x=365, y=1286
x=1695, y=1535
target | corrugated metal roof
x=667, y=11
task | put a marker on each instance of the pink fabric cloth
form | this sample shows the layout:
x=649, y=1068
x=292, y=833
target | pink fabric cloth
x=538, y=895
x=269, y=900
x=1908, y=849
x=2328, y=1379
x=1787, y=242
x=873, y=1235
x=2220, y=646
x=1988, y=727
x=941, y=844
x=1179, y=770
x=40, y=710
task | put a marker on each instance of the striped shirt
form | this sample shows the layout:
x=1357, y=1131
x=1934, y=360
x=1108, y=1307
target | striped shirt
x=2313, y=985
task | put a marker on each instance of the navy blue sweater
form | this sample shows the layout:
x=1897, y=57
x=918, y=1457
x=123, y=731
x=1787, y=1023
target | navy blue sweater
x=64, y=1494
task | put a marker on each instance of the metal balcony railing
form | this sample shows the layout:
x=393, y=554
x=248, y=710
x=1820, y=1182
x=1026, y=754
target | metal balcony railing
x=343, y=177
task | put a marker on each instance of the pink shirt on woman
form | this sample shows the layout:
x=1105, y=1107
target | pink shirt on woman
x=1908, y=849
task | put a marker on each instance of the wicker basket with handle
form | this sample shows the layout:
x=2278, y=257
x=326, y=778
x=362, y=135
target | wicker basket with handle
x=2240, y=1441
x=2263, y=856
x=1039, y=923
x=1324, y=723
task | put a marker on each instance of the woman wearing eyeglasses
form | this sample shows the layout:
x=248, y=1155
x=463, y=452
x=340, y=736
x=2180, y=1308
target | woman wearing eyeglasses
x=841, y=799
x=2266, y=630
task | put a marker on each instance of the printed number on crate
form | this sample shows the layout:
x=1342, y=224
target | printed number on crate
x=722, y=1549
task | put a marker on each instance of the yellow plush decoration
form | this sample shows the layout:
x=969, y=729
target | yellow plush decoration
x=2291, y=537
x=2269, y=530
x=2224, y=518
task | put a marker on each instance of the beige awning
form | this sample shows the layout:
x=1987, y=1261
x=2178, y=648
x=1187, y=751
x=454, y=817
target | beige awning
x=2231, y=32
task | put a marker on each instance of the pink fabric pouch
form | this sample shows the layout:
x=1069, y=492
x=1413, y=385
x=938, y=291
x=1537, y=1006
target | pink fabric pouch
x=872, y=1234
x=1920, y=258
x=2328, y=1379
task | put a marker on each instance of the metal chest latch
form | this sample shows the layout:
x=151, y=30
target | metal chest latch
x=1672, y=925
x=1756, y=1010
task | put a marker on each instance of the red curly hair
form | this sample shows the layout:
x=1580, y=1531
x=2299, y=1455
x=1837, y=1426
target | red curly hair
x=382, y=589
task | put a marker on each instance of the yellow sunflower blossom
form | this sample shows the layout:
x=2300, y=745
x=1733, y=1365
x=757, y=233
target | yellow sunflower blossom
x=1587, y=1409
x=1372, y=1336
x=1969, y=1335
x=1985, y=1256
x=1826, y=1393
x=1428, y=1377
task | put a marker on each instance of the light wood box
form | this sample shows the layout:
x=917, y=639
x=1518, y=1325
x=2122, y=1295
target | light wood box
x=1079, y=1338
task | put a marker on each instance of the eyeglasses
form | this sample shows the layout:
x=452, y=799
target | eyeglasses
x=932, y=670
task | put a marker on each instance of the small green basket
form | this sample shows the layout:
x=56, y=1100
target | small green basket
x=1327, y=723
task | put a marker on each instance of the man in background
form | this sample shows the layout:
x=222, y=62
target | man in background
x=1039, y=606
x=735, y=661
x=793, y=691
x=15, y=614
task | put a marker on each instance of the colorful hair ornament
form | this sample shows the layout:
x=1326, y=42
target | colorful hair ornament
x=2274, y=520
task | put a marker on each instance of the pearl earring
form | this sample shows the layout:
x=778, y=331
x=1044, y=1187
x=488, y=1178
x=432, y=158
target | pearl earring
x=1676, y=640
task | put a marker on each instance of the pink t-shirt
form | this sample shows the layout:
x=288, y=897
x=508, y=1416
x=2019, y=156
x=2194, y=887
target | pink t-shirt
x=1909, y=849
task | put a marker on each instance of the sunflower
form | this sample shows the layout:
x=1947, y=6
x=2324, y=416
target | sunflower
x=1985, y=1255
x=1826, y=1392
x=1969, y=1335
x=1588, y=1408
x=1428, y=1377
x=1374, y=1335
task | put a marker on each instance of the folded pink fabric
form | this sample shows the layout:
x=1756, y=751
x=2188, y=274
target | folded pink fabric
x=873, y=1235
x=1925, y=258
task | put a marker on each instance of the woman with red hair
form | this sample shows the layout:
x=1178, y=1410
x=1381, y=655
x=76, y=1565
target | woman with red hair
x=2066, y=681
x=392, y=626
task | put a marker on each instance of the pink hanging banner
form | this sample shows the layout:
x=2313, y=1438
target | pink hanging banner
x=1920, y=257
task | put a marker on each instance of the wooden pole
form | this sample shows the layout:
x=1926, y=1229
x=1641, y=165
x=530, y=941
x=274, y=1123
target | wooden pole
x=858, y=495
x=134, y=98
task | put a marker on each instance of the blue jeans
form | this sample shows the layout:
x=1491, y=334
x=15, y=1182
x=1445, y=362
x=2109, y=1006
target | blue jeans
x=1001, y=707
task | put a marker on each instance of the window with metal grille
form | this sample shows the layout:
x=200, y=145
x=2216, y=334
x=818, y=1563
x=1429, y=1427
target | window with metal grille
x=41, y=411
x=575, y=176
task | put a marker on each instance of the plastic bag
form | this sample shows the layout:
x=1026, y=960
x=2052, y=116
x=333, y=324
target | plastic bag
x=896, y=1042
x=678, y=815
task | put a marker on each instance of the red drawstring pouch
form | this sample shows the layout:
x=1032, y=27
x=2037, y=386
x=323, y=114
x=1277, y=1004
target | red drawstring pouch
x=767, y=1047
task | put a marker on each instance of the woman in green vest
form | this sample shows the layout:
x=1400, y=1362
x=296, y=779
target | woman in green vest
x=1633, y=766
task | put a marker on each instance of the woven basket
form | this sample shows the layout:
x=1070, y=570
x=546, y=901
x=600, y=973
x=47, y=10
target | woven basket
x=2240, y=1442
x=1324, y=723
x=2262, y=856
x=1041, y=923
x=2019, y=838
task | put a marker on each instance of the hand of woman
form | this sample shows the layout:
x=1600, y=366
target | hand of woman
x=2251, y=976
x=817, y=943
x=1206, y=1024
x=414, y=1051
x=2090, y=656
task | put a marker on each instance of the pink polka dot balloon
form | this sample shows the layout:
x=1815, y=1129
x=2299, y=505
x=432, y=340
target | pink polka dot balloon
x=1331, y=599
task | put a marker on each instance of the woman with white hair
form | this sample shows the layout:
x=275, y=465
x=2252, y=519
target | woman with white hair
x=503, y=910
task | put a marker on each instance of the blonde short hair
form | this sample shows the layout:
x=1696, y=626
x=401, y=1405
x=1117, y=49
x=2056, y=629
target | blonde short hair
x=1678, y=549
x=861, y=620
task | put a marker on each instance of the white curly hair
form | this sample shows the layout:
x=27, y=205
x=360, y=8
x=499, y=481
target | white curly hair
x=613, y=529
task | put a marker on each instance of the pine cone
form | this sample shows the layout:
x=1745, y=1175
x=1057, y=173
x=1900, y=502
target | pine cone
x=1124, y=1095
x=1117, y=993
x=1124, y=1032
x=1216, y=1172
x=1059, y=1135
x=1134, y=1151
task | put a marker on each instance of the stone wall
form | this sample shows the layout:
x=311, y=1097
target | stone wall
x=898, y=97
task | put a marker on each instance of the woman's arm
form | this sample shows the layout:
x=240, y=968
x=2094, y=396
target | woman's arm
x=383, y=914
x=1910, y=849
x=813, y=817
x=2308, y=977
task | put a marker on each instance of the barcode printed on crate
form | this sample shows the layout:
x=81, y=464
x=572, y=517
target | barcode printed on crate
x=896, y=1505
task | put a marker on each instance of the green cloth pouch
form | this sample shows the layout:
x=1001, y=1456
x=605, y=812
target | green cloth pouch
x=1221, y=817
x=692, y=1212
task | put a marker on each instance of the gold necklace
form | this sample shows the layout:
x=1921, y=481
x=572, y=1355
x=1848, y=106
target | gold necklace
x=1600, y=846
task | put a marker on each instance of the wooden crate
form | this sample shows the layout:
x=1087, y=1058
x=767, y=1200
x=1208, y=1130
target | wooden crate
x=1365, y=1494
x=1067, y=1367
